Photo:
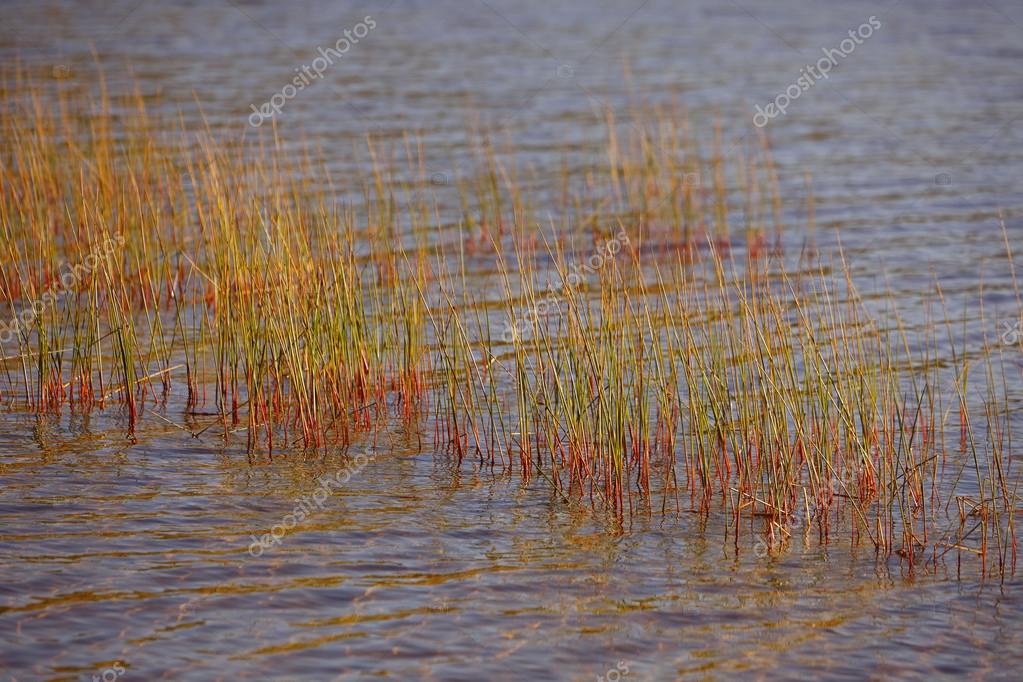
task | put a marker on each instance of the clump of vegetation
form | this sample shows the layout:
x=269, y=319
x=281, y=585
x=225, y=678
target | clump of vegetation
x=635, y=348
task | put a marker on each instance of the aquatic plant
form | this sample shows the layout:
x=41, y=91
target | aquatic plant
x=652, y=344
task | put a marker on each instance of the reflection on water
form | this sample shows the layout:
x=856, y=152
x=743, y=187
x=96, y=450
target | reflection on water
x=137, y=554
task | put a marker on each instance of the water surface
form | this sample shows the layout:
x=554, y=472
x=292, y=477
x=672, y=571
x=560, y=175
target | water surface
x=136, y=552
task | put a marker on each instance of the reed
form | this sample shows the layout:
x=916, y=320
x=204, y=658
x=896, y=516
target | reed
x=654, y=351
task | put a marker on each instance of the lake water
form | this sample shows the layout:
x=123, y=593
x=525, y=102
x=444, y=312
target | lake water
x=137, y=554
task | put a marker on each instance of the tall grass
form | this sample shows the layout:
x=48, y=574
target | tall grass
x=698, y=367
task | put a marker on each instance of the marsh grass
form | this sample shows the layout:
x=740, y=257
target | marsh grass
x=700, y=369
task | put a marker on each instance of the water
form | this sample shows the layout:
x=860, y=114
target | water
x=137, y=553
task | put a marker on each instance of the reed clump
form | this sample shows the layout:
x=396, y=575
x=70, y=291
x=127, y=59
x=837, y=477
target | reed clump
x=650, y=344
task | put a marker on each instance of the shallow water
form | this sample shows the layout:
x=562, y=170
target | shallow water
x=138, y=553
